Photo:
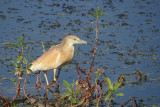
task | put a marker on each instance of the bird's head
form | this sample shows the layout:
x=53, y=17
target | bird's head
x=72, y=39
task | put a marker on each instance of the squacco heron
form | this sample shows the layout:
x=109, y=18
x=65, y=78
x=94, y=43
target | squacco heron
x=57, y=56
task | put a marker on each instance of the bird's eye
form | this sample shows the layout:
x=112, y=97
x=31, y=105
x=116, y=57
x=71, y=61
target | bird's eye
x=76, y=39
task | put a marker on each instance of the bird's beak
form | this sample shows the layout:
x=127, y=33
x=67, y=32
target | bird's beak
x=82, y=41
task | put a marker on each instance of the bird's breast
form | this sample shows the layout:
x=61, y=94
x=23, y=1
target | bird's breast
x=67, y=55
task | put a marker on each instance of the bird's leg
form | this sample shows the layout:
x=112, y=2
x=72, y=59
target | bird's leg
x=45, y=72
x=54, y=74
x=58, y=73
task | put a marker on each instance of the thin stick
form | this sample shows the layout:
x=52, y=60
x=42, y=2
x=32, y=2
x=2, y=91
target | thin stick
x=37, y=82
x=46, y=93
x=95, y=47
x=19, y=77
x=77, y=69
x=17, y=89
x=24, y=91
x=6, y=102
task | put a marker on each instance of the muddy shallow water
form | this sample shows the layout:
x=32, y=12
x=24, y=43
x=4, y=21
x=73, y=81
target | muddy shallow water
x=129, y=39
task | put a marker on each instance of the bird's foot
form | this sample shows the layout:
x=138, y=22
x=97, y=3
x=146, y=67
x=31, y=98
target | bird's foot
x=55, y=79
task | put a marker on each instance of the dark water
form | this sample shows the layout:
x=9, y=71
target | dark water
x=129, y=39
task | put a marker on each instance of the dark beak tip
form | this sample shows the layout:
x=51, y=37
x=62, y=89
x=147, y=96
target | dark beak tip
x=84, y=42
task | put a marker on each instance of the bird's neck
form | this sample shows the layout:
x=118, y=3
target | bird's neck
x=67, y=46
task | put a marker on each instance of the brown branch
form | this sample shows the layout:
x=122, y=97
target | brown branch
x=24, y=91
x=104, y=74
x=6, y=102
x=90, y=74
x=52, y=84
x=101, y=82
x=19, y=78
x=131, y=99
x=46, y=92
x=95, y=47
x=134, y=102
x=140, y=74
x=82, y=70
x=17, y=89
x=96, y=87
x=77, y=69
x=37, y=82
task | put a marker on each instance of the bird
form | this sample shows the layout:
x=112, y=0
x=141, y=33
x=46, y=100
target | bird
x=57, y=56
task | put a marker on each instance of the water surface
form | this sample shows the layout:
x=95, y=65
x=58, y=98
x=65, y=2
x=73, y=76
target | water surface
x=128, y=40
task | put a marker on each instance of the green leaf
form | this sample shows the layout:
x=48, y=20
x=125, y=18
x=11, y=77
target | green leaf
x=117, y=86
x=19, y=58
x=30, y=42
x=73, y=100
x=25, y=61
x=14, y=82
x=103, y=14
x=73, y=85
x=98, y=74
x=108, y=95
x=43, y=46
x=120, y=95
x=93, y=14
x=12, y=44
x=78, y=92
x=11, y=72
x=98, y=12
x=3, y=79
x=80, y=102
x=77, y=82
x=21, y=39
x=66, y=94
x=15, y=64
x=110, y=84
x=66, y=84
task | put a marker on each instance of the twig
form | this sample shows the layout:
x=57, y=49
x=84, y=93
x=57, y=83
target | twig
x=95, y=47
x=98, y=98
x=6, y=102
x=108, y=105
x=134, y=102
x=77, y=69
x=90, y=74
x=37, y=82
x=82, y=70
x=52, y=84
x=24, y=91
x=140, y=74
x=17, y=89
x=46, y=92
x=19, y=78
